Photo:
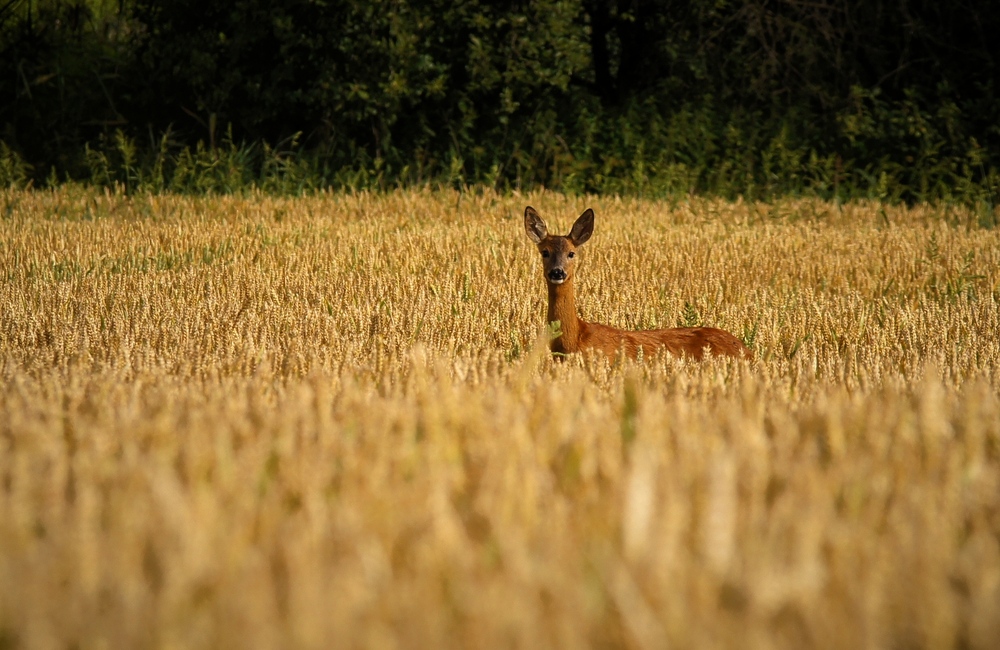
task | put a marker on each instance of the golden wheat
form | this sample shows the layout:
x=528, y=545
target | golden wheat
x=332, y=422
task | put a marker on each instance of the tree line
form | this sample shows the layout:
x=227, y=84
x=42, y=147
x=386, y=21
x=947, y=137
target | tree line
x=893, y=99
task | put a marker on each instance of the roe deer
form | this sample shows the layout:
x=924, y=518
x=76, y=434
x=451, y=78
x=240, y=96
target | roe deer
x=557, y=263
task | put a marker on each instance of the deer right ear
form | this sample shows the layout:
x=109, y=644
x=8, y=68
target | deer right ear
x=583, y=228
x=534, y=226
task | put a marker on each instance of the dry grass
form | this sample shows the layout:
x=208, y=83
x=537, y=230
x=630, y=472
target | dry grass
x=331, y=422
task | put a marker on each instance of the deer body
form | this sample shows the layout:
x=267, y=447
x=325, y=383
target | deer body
x=558, y=255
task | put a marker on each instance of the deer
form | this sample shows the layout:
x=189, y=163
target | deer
x=576, y=335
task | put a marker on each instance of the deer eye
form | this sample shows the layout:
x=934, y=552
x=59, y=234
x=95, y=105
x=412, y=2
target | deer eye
x=572, y=255
x=545, y=253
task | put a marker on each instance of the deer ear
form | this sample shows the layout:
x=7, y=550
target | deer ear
x=583, y=228
x=534, y=226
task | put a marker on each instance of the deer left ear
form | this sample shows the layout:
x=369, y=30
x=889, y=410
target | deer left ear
x=583, y=228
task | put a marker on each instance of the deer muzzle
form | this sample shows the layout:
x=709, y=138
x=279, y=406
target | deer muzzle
x=557, y=276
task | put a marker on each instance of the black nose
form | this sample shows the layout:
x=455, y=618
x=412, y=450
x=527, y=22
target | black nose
x=557, y=274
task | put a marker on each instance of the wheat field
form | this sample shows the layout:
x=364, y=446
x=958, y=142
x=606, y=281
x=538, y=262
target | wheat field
x=332, y=422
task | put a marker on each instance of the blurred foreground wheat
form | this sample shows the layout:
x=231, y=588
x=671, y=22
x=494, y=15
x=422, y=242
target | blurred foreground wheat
x=332, y=422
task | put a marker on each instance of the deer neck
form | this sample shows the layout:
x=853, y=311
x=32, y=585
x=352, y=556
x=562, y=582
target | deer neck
x=562, y=308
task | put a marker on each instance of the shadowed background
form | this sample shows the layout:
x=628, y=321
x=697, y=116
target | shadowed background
x=887, y=99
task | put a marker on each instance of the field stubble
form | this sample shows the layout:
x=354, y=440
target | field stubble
x=332, y=421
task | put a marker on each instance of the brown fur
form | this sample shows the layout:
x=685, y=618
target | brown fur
x=558, y=257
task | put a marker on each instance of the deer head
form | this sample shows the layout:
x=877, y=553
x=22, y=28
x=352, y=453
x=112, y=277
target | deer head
x=558, y=252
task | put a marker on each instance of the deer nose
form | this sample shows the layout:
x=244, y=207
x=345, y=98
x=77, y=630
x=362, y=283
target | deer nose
x=557, y=275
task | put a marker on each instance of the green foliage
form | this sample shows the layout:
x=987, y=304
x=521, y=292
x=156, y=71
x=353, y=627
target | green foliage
x=630, y=413
x=950, y=283
x=745, y=99
x=62, y=78
x=14, y=170
x=226, y=169
x=689, y=316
